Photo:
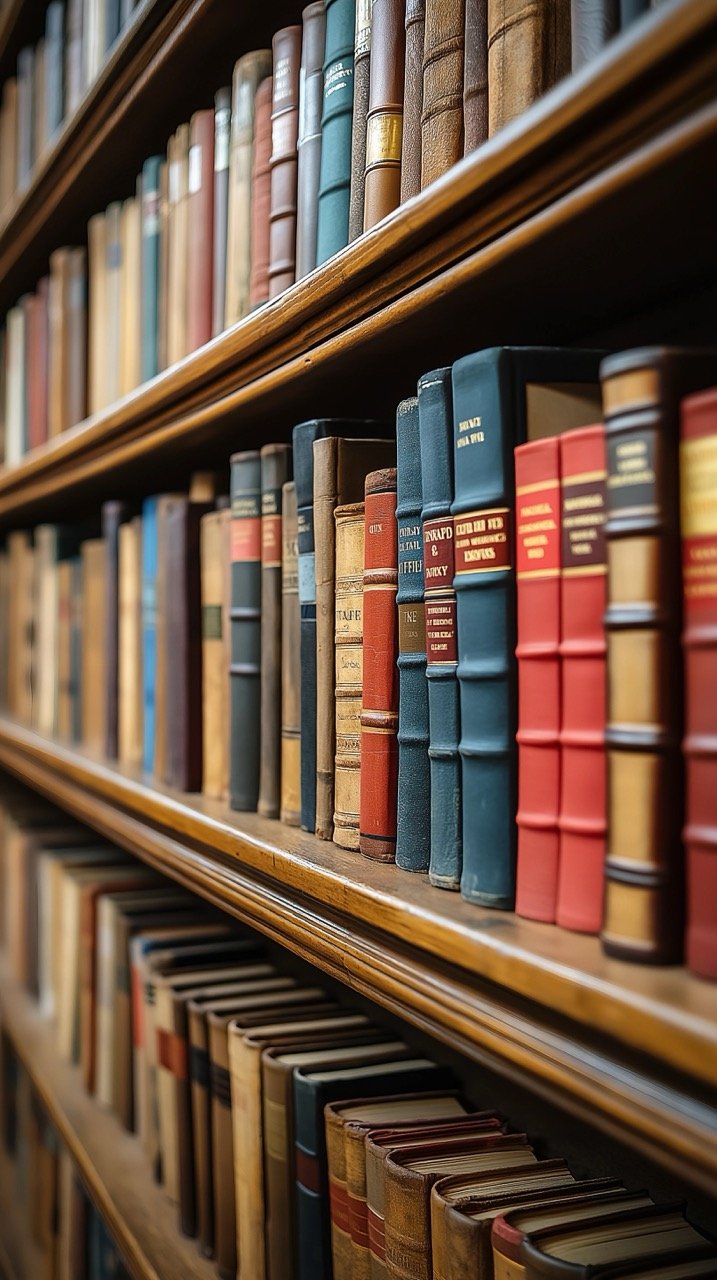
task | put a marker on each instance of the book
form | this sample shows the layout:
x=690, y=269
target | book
x=183, y=709
x=637, y=1239
x=47, y=537
x=178, y=233
x=630, y=10
x=114, y=514
x=245, y=614
x=149, y=630
x=215, y=530
x=384, y=119
x=200, y=219
x=25, y=117
x=442, y=114
x=8, y=147
x=349, y=671
x=415, y=24
x=151, y=250
x=336, y=123
x=362, y=75
x=311, y=93
x=528, y=52
x=38, y=337
x=475, y=76
x=97, y=313
x=591, y=26
x=275, y=471
x=509, y=1229
x=261, y=195
x=222, y=134
x=414, y=801
x=16, y=399
x=286, y=47
x=290, y=811
x=74, y=63
x=112, y=301
x=130, y=690
x=379, y=705
x=249, y=72
x=130, y=338
x=94, y=644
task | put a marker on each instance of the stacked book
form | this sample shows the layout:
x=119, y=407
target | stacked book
x=298, y=1139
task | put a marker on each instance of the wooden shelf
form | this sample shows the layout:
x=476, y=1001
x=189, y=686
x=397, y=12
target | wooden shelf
x=632, y=134
x=111, y=1161
x=631, y=1049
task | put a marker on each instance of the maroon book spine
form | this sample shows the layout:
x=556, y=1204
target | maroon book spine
x=261, y=195
x=286, y=48
x=200, y=260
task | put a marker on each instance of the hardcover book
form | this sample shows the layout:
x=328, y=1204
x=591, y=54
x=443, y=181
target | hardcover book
x=349, y=671
x=528, y=52
x=475, y=75
x=249, y=72
x=415, y=21
x=275, y=471
x=442, y=114
x=183, y=710
x=245, y=613
x=151, y=247
x=114, y=514
x=511, y=1228
x=214, y=541
x=335, y=175
x=222, y=127
x=261, y=195
x=311, y=94
x=286, y=47
x=362, y=75
x=384, y=120
x=200, y=217
x=290, y=663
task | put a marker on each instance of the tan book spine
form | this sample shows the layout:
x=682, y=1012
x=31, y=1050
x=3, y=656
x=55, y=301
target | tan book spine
x=97, y=326
x=8, y=148
x=166, y=1110
x=177, y=225
x=459, y=1245
x=290, y=663
x=279, y=1172
x=160, y=686
x=105, y=968
x=376, y=1208
x=57, y=343
x=341, y=1251
x=249, y=72
x=355, y=1160
x=442, y=114
x=223, y=1177
x=130, y=355
x=130, y=643
x=214, y=556
x=46, y=628
x=349, y=671
x=528, y=52
x=245, y=1072
x=93, y=644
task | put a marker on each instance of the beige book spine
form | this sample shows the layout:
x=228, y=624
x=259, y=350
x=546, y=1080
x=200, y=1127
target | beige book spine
x=177, y=161
x=130, y=350
x=97, y=318
x=349, y=671
x=105, y=1002
x=245, y=1073
x=130, y=644
x=376, y=1210
x=58, y=339
x=215, y=567
x=46, y=633
x=68, y=994
x=290, y=664
x=64, y=593
x=93, y=644
x=160, y=683
x=249, y=72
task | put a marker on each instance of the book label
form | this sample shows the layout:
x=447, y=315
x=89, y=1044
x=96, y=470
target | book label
x=438, y=565
x=538, y=530
x=698, y=478
x=211, y=622
x=307, y=578
x=584, y=523
x=222, y=124
x=194, y=181
x=441, y=643
x=412, y=627
x=384, y=133
x=271, y=528
x=631, y=479
x=483, y=541
x=246, y=539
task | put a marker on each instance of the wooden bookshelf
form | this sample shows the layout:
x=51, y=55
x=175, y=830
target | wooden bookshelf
x=20, y=1258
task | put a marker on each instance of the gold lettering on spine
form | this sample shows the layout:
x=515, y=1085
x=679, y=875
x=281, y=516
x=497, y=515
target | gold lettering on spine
x=384, y=134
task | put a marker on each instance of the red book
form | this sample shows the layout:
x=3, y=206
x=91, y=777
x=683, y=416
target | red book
x=261, y=195
x=379, y=711
x=38, y=352
x=583, y=808
x=537, y=503
x=698, y=502
x=200, y=186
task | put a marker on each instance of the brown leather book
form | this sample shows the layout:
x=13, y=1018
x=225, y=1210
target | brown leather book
x=129, y=671
x=58, y=342
x=222, y=129
x=178, y=235
x=475, y=76
x=384, y=121
x=286, y=47
x=130, y=355
x=514, y=1228
x=200, y=215
x=164, y=502
x=311, y=97
x=412, y=99
x=261, y=195
x=442, y=114
x=214, y=554
x=97, y=314
x=275, y=471
x=528, y=52
x=290, y=663
x=349, y=672
x=8, y=147
x=183, y=766
x=362, y=77
x=94, y=644
x=74, y=64
x=249, y=72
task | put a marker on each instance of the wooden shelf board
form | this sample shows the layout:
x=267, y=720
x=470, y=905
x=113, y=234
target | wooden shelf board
x=111, y=1161
x=631, y=1049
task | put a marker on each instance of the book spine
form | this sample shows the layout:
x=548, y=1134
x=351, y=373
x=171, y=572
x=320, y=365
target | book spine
x=245, y=668
x=583, y=815
x=200, y=251
x=113, y=515
x=222, y=134
x=528, y=51
x=362, y=75
x=214, y=559
x=314, y=1256
x=75, y=650
x=249, y=72
x=290, y=663
x=38, y=390
x=475, y=76
x=184, y=644
x=630, y=10
x=435, y=425
x=279, y=1175
x=341, y=1253
x=538, y=539
x=150, y=267
x=54, y=68
x=261, y=195
x=336, y=125
x=311, y=94
x=415, y=21
x=25, y=116
x=113, y=300
x=379, y=708
x=414, y=780
x=349, y=671
x=325, y=484
x=355, y=1159
x=286, y=47
x=149, y=629
x=407, y=1225
x=442, y=114
x=384, y=121
x=74, y=61
x=130, y=694
x=592, y=24
x=275, y=471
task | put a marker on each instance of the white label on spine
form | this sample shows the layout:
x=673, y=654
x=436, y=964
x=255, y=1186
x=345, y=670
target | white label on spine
x=222, y=121
x=307, y=578
x=195, y=168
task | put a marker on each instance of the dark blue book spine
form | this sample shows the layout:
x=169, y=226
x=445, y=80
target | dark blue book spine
x=245, y=624
x=313, y=1227
x=413, y=843
x=149, y=627
x=336, y=125
x=435, y=424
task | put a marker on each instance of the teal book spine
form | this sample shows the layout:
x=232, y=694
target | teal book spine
x=336, y=127
x=151, y=253
x=245, y=631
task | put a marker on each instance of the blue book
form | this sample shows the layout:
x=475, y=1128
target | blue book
x=501, y=397
x=435, y=427
x=336, y=125
x=149, y=628
x=413, y=842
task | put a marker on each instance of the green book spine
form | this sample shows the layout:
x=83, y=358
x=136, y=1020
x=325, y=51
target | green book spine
x=336, y=125
x=150, y=266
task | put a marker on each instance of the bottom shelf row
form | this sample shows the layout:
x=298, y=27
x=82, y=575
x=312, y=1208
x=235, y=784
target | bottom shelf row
x=295, y=1131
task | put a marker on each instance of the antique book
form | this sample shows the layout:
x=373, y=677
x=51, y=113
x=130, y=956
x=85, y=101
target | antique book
x=163, y=287
x=39, y=106
x=215, y=530
x=528, y=52
x=8, y=145
x=54, y=69
x=698, y=451
x=74, y=65
x=528, y=392
x=475, y=75
x=384, y=120
x=592, y=24
x=130, y=649
x=164, y=654
x=47, y=543
x=245, y=625
x=58, y=351
x=311, y=96
x=184, y=712
x=414, y=779
x=349, y=672
x=25, y=116
x=290, y=811
x=75, y=351
x=130, y=342
x=249, y=72
x=275, y=471
x=379, y=705
x=336, y=121
x=66, y=570
x=38, y=356
x=178, y=232
x=538, y=628
x=200, y=217
x=16, y=402
x=112, y=301
x=150, y=267
x=442, y=114
x=286, y=47
x=149, y=630
x=222, y=135
x=94, y=644
x=114, y=514
x=362, y=75
x=415, y=20
x=635, y=1239
x=511, y=1228
x=261, y=195
x=583, y=804
x=642, y=390
x=435, y=429
x=630, y=10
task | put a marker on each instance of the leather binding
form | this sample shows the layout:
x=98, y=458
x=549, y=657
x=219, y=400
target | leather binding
x=261, y=195
x=286, y=46
x=245, y=668
x=74, y=66
x=15, y=434
x=340, y=470
x=499, y=385
x=362, y=75
x=200, y=215
x=130, y=357
x=413, y=846
x=698, y=486
x=222, y=130
x=75, y=687
x=249, y=72
x=113, y=516
x=93, y=678
x=311, y=96
x=384, y=120
x=508, y=1233
x=37, y=391
x=164, y=652
x=336, y=127
x=661, y=1231
x=150, y=267
x=149, y=630
x=178, y=231
x=475, y=76
x=290, y=663
x=58, y=351
x=349, y=672
x=592, y=24
x=275, y=471
x=25, y=116
x=48, y=539
x=415, y=19
x=8, y=145
x=538, y=543
x=435, y=429
x=215, y=585
x=642, y=390
x=528, y=52
x=379, y=707
x=442, y=114
x=184, y=636
x=630, y=10
x=583, y=805
x=129, y=675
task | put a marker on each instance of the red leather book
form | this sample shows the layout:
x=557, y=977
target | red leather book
x=38, y=355
x=379, y=708
x=583, y=806
x=286, y=48
x=261, y=195
x=537, y=487
x=698, y=514
x=200, y=187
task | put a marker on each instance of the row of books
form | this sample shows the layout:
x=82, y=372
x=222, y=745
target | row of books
x=44, y=1190
x=51, y=79
x=291, y=163
x=297, y=1137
